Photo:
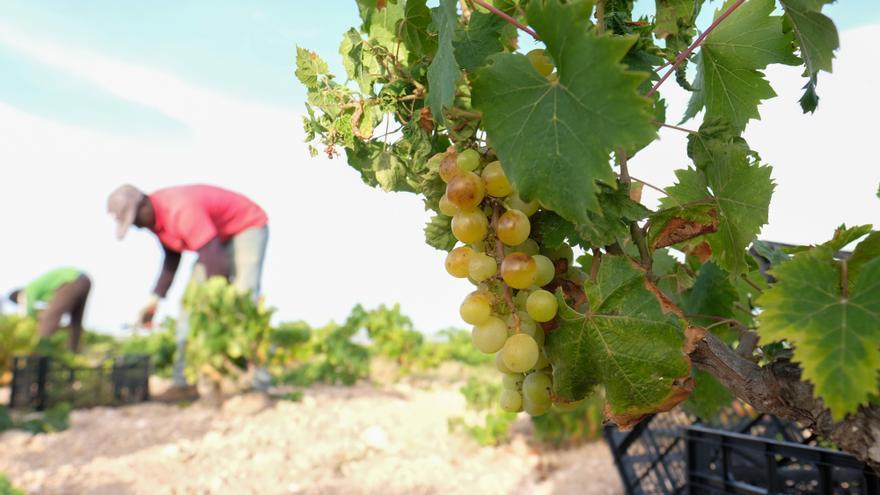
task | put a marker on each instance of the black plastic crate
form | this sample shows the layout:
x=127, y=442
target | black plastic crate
x=722, y=462
x=652, y=457
x=39, y=382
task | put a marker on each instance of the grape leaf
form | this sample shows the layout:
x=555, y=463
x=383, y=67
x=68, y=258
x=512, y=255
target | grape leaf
x=413, y=28
x=711, y=295
x=438, y=233
x=378, y=165
x=676, y=22
x=554, y=136
x=551, y=229
x=836, y=335
x=360, y=64
x=612, y=224
x=443, y=72
x=479, y=39
x=309, y=66
x=627, y=343
x=844, y=235
x=728, y=176
x=728, y=81
x=681, y=223
x=709, y=398
x=867, y=250
x=817, y=38
x=380, y=22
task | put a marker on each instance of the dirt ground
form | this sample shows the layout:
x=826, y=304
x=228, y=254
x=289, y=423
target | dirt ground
x=366, y=439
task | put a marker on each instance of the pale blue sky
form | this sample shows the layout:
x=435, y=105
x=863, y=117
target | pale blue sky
x=94, y=93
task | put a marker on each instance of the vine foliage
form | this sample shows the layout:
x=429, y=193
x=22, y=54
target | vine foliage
x=655, y=287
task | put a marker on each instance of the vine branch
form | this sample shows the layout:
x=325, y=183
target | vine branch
x=638, y=236
x=686, y=53
x=500, y=13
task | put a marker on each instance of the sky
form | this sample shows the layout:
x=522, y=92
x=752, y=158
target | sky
x=97, y=93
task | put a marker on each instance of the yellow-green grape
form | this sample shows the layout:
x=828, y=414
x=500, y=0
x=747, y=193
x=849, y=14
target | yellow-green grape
x=536, y=408
x=567, y=406
x=468, y=159
x=543, y=362
x=499, y=364
x=513, y=227
x=447, y=207
x=510, y=401
x=536, y=387
x=540, y=61
x=515, y=202
x=542, y=305
x=449, y=167
x=458, y=261
x=489, y=337
x=465, y=190
x=527, y=326
x=546, y=270
x=470, y=226
x=482, y=267
x=529, y=246
x=476, y=308
x=497, y=184
x=519, y=270
x=520, y=352
x=512, y=381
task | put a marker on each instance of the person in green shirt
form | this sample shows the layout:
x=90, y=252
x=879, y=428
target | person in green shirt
x=64, y=291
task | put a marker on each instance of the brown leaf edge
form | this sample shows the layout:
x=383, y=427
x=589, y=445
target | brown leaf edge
x=679, y=229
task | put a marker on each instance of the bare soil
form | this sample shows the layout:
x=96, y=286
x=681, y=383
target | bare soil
x=367, y=439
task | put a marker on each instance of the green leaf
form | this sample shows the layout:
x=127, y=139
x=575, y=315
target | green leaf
x=730, y=177
x=479, y=39
x=711, y=295
x=554, y=136
x=443, y=72
x=378, y=165
x=413, y=28
x=816, y=36
x=676, y=22
x=360, y=63
x=836, y=335
x=771, y=253
x=381, y=19
x=551, y=229
x=612, y=224
x=438, y=233
x=729, y=82
x=709, y=397
x=866, y=251
x=309, y=66
x=844, y=235
x=626, y=344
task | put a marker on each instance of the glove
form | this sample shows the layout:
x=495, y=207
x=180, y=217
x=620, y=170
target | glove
x=145, y=316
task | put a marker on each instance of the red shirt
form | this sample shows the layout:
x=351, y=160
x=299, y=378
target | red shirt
x=188, y=217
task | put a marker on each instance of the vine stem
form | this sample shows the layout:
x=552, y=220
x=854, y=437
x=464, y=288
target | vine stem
x=677, y=128
x=594, y=266
x=686, y=53
x=634, y=231
x=500, y=13
x=499, y=256
x=600, y=16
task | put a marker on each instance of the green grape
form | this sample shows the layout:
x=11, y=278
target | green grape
x=513, y=227
x=542, y=305
x=546, y=270
x=527, y=326
x=540, y=61
x=536, y=387
x=529, y=246
x=510, y=401
x=499, y=364
x=449, y=167
x=520, y=299
x=519, y=270
x=512, y=381
x=470, y=226
x=447, y=207
x=458, y=261
x=562, y=252
x=489, y=337
x=536, y=408
x=543, y=362
x=497, y=184
x=515, y=202
x=465, y=190
x=520, y=352
x=476, y=308
x=468, y=159
x=482, y=267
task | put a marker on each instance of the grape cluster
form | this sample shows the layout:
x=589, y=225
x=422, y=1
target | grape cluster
x=511, y=307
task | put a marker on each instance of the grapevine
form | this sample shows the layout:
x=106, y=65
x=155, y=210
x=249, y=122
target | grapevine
x=523, y=157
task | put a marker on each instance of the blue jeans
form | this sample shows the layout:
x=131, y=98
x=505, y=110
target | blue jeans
x=246, y=252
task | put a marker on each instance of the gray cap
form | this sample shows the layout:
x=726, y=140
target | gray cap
x=123, y=205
